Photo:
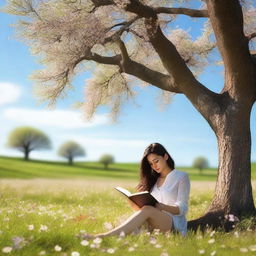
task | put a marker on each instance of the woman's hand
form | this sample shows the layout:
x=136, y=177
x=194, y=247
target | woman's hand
x=159, y=206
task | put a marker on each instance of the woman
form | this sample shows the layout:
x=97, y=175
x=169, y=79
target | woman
x=168, y=185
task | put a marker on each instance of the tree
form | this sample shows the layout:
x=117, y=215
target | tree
x=70, y=150
x=122, y=40
x=27, y=139
x=106, y=160
x=200, y=163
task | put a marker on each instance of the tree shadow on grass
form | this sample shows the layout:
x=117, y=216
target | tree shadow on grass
x=102, y=168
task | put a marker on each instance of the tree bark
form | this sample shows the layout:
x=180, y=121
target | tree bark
x=70, y=160
x=233, y=190
x=26, y=154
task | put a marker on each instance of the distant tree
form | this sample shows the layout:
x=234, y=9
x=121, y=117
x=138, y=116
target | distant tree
x=27, y=139
x=106, y=160
x=200, y=163
x=70, y=150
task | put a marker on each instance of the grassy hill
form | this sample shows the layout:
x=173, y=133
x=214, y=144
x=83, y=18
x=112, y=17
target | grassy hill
x=18, y=168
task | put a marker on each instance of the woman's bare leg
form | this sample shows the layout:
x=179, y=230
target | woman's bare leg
x=156, y=219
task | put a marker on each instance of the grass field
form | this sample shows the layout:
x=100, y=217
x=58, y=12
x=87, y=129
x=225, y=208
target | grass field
x=43, y=217
x=18, y=168
x=45, y=205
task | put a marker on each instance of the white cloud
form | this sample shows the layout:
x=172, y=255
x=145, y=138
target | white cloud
x=9, y=93
x=56, y=118
x=108, y=143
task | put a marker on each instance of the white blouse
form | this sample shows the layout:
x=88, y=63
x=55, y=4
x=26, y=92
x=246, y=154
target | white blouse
x=175, y=191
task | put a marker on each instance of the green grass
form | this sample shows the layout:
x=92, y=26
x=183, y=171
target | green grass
x=18, y=168
x=68, y=207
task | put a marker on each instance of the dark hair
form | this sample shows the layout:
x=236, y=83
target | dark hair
x=148, y=176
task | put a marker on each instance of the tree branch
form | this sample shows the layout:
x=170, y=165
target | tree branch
x=134, y=68
x=98, y=3
x=115, y=36
x=114, y=60
x=153, y=77
x=146, y=11
x=185, y=11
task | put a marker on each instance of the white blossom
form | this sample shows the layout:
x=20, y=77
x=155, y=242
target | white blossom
x=75, y=253
x=211, y=241
x=57, y=248
x=110, y=250
x=84, y=242
x=97, y=240
x=7, y=249
x=243, y=250
x=31, y=227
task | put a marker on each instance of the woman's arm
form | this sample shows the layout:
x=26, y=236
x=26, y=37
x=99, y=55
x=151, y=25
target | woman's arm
x=173, y=209
x=180, y=207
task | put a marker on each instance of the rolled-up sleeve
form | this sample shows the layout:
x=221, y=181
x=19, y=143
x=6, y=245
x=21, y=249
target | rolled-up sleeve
x=183, y=195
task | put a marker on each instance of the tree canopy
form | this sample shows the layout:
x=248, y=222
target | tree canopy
x=71, y=150
x=200, y=163
x=27, y=139
x=106, y=160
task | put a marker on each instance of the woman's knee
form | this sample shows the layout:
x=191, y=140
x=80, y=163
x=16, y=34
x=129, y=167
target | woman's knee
x=148, y=209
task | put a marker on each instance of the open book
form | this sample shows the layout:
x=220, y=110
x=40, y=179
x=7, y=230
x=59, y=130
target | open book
x=140, y=198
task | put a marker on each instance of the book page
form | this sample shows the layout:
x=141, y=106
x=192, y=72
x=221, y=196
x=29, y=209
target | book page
x=124, y=191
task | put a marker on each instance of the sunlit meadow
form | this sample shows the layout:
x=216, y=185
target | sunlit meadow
x=45, y=217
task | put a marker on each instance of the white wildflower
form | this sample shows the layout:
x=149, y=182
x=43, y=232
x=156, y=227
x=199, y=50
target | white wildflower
x=212, y=233
x=164, y=254
x=252, y=248
x=108, y=225
x=213, y=253
x=7, y=249
x=158, y=245
x=43, y=228
x=18, y=242
x=236, y=234
x=202, y=251
x=57, y=248
x=75, y=254
x=31, y=227
x=42, y=253
x=243, y=250
x=131, y=249
x=111, y=250
x=156, y=231
x=152, y=240
x=97, y=240
x=122, y=234
x=84, y=243
x=211, y=241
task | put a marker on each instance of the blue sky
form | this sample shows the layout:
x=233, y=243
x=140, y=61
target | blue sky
x=179, y=127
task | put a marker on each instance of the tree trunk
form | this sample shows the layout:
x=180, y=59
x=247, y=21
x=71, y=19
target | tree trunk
x=233, y=191
x=26, y=154
x=70, y=160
